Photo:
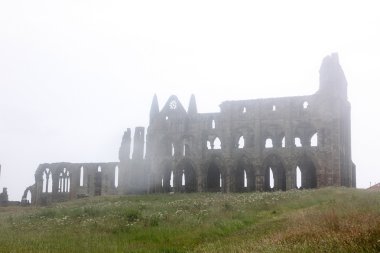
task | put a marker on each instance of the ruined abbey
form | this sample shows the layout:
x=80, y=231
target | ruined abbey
x=250, y=145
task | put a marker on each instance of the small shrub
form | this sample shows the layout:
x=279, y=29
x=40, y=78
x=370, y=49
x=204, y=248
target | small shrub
x=132, y=215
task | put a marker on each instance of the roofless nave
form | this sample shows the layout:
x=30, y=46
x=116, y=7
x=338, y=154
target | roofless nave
x=250, y=145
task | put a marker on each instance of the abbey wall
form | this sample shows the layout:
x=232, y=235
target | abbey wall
x=250, y=145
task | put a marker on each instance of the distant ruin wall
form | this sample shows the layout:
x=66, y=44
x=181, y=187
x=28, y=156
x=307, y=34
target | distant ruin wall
x=250, y=145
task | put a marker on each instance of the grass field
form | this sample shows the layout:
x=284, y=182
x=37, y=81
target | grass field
x=324, y=220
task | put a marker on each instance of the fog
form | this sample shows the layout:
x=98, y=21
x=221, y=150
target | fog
x=74, y=75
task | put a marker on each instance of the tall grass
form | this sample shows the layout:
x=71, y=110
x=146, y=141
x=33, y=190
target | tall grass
x=324, y=220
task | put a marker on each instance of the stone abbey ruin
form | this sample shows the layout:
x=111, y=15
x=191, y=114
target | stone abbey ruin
x=250, y=145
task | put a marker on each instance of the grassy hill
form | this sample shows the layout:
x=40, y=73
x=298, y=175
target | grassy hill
x=324, y=220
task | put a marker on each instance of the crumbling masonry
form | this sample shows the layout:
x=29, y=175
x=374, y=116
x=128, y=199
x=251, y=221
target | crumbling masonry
x=250, y=145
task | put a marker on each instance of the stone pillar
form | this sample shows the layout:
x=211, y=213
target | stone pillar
x=260, y=182
x=138, y=143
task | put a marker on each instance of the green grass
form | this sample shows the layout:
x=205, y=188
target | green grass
x=324, y=220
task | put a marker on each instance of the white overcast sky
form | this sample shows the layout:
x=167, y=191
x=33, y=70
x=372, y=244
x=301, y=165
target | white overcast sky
x=74, y=74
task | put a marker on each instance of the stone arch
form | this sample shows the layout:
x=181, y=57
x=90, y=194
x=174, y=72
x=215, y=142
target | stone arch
x=243, y=175
x=304, y=131
x=186, y=174
x=167, y=176
x=47, y=181
x=308, y=171
x=215, y=176
x=213, y=141
x=274, y=163
x=64, y=181
x=217, y=143
x=28, y=196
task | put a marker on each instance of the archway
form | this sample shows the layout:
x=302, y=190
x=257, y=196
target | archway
x=242, y=175
x=275, y=176
x=167, y=180
x=214, y=181
x=240, y=179
x=47, y=182
x=188, y=180
x=308, y=173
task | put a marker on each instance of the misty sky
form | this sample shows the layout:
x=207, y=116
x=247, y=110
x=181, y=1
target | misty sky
x=74, y=74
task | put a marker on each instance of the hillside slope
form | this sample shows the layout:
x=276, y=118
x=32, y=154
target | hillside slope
x=324, y=220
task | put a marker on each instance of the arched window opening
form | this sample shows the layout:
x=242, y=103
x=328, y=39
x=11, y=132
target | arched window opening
x=171, y=180
x=29, y=196
x=244, y=109
x=273, y=108
x=44, y=182
x=283, y=143
x=307, y=174
x=213, y=124
x=297, y=142
x=217, y=143
x=271, y=179
x=81, y=176
x=241, y=143
x=268, y=143
x=47, y=181
x=99, y=169
x=50, y=183
x=305, y=105
x=167, y=118
x=64, y=181
x=116, y=176
x=314, y=140
x=68, y=183
x=220, y=181
x=183, y=178
x=245, y=179
x=275, y=175
x=162, y=182
x=186, y=149
x=298, y=178
x=172, y=149
x=60, y=182
x=209, y=145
